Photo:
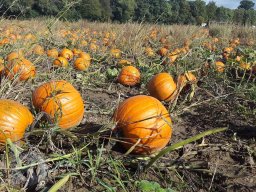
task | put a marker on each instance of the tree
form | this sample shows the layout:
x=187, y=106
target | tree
x=246, y=4
x=123, y=10
x=198, y=10
x=90, y=9
x=211, y=10
x=106, y=11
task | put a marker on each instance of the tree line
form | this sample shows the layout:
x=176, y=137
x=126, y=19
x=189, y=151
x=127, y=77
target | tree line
x=152, y=11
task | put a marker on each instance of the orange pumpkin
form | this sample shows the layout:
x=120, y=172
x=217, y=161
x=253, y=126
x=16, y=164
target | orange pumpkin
x=149, y=52
x=245, y=66
x=115, y=53
x=53, y=53
x=21, y=67
x=220, y=66
x=68, y=54
x=85, y=56
x=38, y=50
x=1, y=65
x=14, y=55
x=129, y=75
x=14, y=119
x=81, y=64
x=76, y=51
x=186, y=78
x=61, y=101
x=162, y=87
x=144, y=121
x=163, y=51
x=61, y=62
x=124, y=62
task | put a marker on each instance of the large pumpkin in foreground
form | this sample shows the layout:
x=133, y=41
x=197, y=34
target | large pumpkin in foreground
x=143, y=120
x=14, y=119
x=162, y=87
x=61, y=101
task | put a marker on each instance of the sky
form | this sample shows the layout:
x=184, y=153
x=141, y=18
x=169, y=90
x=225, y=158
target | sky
x=228, y=3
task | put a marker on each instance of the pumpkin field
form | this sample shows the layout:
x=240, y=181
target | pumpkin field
x=87, y=106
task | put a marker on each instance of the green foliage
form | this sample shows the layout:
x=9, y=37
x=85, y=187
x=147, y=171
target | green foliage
x=150, y=186
x=246, y=4
x=152, y=11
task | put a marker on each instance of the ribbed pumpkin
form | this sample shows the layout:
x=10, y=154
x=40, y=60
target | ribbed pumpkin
x=23, y=68
x=81, y=64
x=129, y=75
x=14, y=119
x=67, y=53
x=162, y=86
x=145, y=120
x=61, y=62
x=61, y=101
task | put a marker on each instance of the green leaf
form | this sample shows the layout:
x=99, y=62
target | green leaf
x=59, y=184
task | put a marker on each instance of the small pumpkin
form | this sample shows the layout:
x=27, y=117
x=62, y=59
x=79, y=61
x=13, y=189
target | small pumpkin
x=14, y=55
x=21, y=67
x=38, y=50
x=144, y=121
x=124, y=62
x=67, y=53
x=61, y=101
x=81, y=64
x=220, y=66
x=129, y=75
x=185, y=79
x=115, y=53
x=53, y=53
x=76, y=51
x=85, y=56
x=14, y=119
x=61, y=62
x=162, y=87
x=163, y=51
x=245, y=66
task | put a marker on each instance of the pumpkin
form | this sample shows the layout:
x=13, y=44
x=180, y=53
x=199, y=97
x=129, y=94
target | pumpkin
x=38, y=50
x=1, y=65
x=115, y=53
x=61, y=101
x=81, y=64
x=68, y=54
x=162, y=87
x=53, y=53
x=14, y=119
x=220, y=66
x=61, y=62
x=14, y=55
x=76, y=51
x=129, y=75
x=149, y=52
x=124, y=62
x=163, y=51
x=144, y=121
x=21, y=67
x=186, y=78
x=245, y=66
x=85, y=56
